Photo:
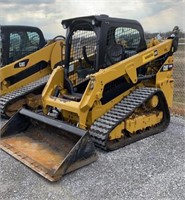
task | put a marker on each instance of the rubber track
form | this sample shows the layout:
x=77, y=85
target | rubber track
x=7, y=99
x=103, y=126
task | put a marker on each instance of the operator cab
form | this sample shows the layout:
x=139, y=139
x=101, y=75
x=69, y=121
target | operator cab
x=19, y=41
x=97, y=42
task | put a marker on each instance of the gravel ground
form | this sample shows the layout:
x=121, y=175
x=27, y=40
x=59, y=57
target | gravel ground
x=153, y=168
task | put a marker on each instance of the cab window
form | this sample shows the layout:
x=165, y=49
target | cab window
x=129, y=38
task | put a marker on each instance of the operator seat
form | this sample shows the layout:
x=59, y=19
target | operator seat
x=114, y=54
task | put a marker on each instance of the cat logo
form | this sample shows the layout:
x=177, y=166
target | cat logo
x=22, y=63
x=166, y=68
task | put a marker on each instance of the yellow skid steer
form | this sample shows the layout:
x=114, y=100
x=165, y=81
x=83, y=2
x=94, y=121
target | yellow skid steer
x=26, y=61
x=112, y=91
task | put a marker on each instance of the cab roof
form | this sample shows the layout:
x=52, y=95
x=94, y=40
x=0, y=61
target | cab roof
x=98, y=19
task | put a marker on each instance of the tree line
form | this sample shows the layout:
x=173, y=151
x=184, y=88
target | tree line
x=163, y=35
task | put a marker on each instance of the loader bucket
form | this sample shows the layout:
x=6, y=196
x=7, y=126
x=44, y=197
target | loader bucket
x=50, y=147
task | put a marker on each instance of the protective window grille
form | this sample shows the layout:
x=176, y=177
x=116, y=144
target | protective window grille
x=129, y=38
x=81, y=39
x=22, y=44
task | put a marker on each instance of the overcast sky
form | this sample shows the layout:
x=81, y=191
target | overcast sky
x=155, y=16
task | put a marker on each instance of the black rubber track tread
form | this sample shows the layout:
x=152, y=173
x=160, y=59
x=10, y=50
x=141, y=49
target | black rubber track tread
x=101, y=129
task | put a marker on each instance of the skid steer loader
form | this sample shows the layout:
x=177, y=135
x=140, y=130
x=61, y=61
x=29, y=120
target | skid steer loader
x=26, y=61
x=115, y=91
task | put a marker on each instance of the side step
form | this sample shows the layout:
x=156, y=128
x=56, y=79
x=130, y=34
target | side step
x=48, y=146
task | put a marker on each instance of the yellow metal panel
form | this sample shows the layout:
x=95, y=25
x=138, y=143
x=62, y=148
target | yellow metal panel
x=50, y=54
x=148, y=57
x=6, y=89
x=117, y=132
x=165, y=81
x=131, y=71
x=143, y=121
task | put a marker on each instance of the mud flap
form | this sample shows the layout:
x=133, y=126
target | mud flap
x=50, y=147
